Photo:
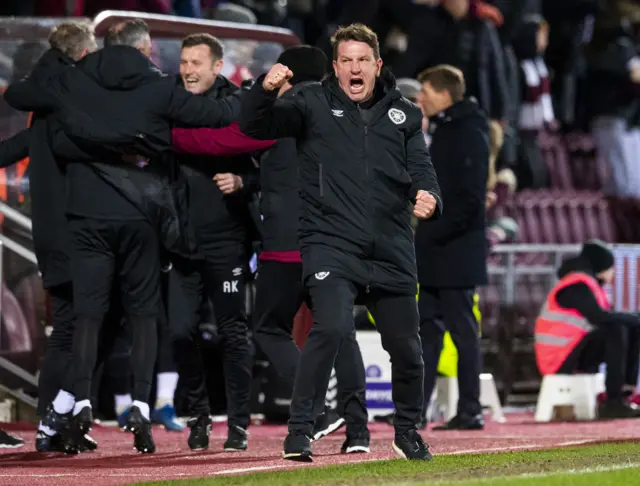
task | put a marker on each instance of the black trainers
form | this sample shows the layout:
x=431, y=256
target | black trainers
x=410, y=445
x=140, y=427
x=200, y=430
x=54, y=420
x=236, y=439
x=73, y=435
x=357, y=443
x=9, y=441
x=617, y=409
x=463, y=422
x=327, y=423
x=297, y=447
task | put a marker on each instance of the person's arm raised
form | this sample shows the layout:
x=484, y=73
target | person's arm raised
x=265, y=117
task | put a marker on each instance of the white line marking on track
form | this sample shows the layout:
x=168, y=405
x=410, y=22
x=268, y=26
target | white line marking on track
x=246, y=469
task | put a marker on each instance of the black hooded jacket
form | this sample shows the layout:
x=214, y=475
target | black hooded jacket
x=46, y=184
x=279, y=198
x=111, y=102
x=579, y=297
x=360, y=166
x=218, y=219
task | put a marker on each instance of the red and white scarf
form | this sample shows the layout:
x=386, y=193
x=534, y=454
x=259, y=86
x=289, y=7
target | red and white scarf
x=537, y=108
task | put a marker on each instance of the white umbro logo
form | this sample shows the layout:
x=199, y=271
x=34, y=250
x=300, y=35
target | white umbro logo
x=237, y=271
x=322, y=275
x=337, y=113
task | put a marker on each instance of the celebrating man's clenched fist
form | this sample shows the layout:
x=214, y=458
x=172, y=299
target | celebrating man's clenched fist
x=276, y=77
x=425, y=205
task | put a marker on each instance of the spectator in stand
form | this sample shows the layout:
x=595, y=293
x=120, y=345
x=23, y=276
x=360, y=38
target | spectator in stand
x=614, y=85
x=577, y=329
x=452, y=251
x=536, y=108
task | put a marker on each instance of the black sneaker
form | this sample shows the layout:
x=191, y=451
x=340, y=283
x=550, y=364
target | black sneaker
x=297, y=447
x=327, y=423
x=236, y=440
x=411, y=446
x=463, y=422
x=88, y=444
x=8, y=441
x=140, y=427
x=73, y=436
x=357, y=443
x=56, y=421
x=48, y=443
x=618, y=408
x=200, y=430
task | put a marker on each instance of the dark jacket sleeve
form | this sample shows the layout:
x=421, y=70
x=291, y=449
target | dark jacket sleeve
x=251, y=179
x=497, y=75
x=28, y=95
x=225, y=141
x=14, y=149
x=470, y=160
x=579, y=297
x=185, y=108
x=421, y=170
x=265, y=117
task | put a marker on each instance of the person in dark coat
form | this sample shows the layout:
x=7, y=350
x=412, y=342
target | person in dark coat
x=280, y=289
x=112, y=214
x=363, y=161
x=452, y=251
x=70, y=42
x=221, y=190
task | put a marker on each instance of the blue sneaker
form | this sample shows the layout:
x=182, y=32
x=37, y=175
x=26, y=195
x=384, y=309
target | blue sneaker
x=166, y=415
x=122, y=418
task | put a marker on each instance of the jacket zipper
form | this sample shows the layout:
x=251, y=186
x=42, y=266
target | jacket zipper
x=368, y=191
x=320, y=182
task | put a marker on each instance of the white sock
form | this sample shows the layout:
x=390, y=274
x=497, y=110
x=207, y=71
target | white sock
x=63, y=403
x=122, y=403
x=48, y=431
x=167, y=384
x=144, y=408
x=80, y=405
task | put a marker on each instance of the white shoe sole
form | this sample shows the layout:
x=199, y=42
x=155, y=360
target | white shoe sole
x=358, y=450
x=398, y=451
x=329, y=430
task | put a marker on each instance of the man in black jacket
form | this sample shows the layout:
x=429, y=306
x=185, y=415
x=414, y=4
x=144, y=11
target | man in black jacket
x=219, y=196
x=112, y=214
x=452, y=251
x=363, y=159
x=279, y=288
x=70, y=42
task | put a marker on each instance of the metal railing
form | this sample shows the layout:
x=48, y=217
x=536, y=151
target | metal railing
x=27, y=379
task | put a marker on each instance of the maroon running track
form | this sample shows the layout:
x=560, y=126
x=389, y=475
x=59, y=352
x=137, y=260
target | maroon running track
x=115, y=462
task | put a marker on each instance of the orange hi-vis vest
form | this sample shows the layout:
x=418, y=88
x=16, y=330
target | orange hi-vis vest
x=558, y=330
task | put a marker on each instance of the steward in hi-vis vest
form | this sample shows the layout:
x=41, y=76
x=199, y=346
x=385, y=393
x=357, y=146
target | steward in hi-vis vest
x=576, y=330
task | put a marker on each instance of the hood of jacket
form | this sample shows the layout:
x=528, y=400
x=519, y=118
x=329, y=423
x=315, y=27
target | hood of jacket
x=119, y=68
x=50, y=62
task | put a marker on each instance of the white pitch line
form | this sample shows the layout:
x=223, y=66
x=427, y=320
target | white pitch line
x=495, y=449
x=247, y=469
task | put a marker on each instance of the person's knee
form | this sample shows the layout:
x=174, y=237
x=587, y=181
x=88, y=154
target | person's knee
x=405, y=352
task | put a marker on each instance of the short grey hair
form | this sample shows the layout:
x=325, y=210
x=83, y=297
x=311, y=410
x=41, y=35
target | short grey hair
x=132, y=33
